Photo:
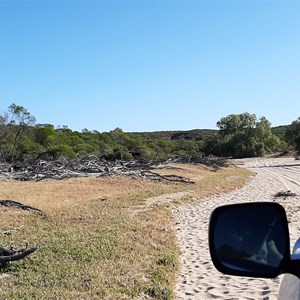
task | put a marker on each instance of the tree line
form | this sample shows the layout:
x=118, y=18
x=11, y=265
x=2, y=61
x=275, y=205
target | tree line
x=238, y=135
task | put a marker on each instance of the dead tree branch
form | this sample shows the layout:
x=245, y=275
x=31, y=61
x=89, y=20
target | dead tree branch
x=7, y=256
x=12, y=203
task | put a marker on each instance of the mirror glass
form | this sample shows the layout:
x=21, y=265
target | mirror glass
x=250, y=238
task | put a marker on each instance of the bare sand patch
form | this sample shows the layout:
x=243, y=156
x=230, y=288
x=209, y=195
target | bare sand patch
x=198, y=279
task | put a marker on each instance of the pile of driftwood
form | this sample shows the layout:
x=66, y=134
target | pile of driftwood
x=92, y=165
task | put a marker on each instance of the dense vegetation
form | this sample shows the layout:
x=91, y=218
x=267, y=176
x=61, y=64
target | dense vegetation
x=240, y=135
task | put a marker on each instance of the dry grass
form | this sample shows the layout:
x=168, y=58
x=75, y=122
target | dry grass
x=91, y=244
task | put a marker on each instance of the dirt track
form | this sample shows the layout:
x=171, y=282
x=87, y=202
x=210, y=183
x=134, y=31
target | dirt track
x=285, y=170
x=198, y=279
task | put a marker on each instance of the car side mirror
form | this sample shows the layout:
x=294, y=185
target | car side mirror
x=250, y=239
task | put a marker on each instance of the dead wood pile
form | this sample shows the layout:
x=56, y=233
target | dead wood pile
x=92, y=165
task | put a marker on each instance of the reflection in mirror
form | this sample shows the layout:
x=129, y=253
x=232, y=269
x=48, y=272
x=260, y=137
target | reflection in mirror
x=250, y=238
x=296, y=251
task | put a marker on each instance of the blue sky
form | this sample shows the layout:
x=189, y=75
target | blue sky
x=150, y=65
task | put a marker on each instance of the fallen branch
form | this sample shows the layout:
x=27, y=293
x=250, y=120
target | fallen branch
x=285, y=194
x=172, y=178
x=12, y=203
x=10, y=231
x=10, y=255
x=4, y=251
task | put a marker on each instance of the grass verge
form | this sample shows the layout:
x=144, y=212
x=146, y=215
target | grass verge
x=92, y=244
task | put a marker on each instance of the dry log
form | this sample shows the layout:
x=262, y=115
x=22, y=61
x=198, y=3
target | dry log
x=285, y=194
x=12, y=203
x=11, y=255
x=172, y=178
x=4, y=251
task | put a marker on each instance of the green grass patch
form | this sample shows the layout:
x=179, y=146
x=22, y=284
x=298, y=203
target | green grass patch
x=99, y=249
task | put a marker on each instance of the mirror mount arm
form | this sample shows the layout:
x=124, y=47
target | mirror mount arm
x=293, y=267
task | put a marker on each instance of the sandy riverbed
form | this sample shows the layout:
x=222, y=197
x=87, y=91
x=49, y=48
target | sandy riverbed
x=198, y=279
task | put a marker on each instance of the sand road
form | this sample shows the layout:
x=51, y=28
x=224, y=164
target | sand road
x=198, y=279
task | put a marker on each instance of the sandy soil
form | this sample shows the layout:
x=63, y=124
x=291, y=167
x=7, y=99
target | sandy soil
x=198, y=279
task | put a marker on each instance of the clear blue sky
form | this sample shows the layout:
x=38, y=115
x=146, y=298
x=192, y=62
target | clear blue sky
x=150, y=65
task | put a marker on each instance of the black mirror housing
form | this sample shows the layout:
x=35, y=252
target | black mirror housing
x=250, y=239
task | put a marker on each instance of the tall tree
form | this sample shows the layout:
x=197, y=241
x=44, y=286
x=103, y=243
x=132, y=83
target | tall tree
x=244, y=136
x=14, y=125
x=233, y=123
x=4, y=133
x=293, y=134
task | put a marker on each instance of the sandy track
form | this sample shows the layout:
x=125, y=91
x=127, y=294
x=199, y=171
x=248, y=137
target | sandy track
x=198, y=279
